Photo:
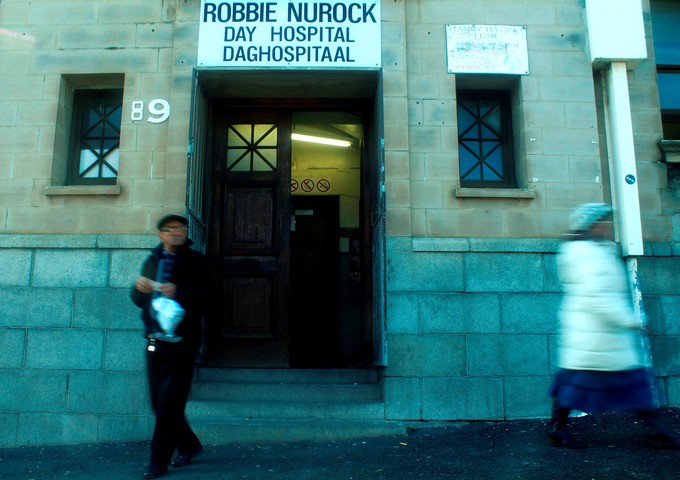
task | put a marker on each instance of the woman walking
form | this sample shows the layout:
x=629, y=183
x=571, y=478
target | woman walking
x=600, y=355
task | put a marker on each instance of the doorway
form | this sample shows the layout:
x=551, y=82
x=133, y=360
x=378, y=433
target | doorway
x=240, y=216
x=314, y=281
x=288, y=237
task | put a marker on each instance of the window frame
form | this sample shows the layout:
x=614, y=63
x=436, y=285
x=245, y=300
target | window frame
x=670, y=118
x=81, y=96
x=253, y=148
x=508, y=162
x=666, y=40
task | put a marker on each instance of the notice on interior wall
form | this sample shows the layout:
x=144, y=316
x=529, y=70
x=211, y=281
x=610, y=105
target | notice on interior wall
x=499, y=49
x=290, y=34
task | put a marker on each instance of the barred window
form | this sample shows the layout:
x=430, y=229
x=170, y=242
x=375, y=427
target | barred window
x=95, y=137
x=485, y=140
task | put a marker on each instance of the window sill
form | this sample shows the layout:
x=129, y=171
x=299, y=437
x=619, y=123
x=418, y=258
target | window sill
x=494, y=193
x=82, y=190
x=671, y=150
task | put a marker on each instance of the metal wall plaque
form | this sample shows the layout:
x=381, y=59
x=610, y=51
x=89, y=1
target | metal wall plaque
x=499, y=49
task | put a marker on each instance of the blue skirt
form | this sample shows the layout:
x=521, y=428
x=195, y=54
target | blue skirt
x=593, y=391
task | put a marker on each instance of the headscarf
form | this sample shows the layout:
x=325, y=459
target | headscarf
x=584, y=216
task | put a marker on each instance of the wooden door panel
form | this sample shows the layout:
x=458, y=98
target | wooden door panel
x=249, y=219
x=250, y=306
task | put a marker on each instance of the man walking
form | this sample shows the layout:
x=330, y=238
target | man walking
x=172, y=271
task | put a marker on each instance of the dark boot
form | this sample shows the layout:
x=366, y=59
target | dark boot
x=657, y=434
x=558, y=433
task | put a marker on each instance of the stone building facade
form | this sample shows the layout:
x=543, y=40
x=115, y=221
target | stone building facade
x=456, y=277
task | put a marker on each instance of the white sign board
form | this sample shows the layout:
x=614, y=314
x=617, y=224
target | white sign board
x=487, y=49
x=290, y=33
x=616, y=31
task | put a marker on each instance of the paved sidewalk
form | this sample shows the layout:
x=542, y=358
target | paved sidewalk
x=476, y=450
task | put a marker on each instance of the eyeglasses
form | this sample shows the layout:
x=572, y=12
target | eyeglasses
x=174, y=229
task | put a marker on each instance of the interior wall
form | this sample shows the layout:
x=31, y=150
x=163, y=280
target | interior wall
x=341, y=167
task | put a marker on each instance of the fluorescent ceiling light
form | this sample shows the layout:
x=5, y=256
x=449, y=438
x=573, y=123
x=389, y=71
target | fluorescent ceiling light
x=325, y=141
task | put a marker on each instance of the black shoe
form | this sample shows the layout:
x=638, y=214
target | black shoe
x=561, y=438
x=184, y=459
x=155, y=471
x=662, y=441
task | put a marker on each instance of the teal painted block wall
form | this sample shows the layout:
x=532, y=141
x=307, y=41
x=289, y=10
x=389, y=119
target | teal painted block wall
x=472, y=327
x=71, y=343
x=465, y=340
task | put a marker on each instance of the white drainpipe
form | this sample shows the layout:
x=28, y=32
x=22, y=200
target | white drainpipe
x=616, y=39
x=622, y=165
x=623, y=173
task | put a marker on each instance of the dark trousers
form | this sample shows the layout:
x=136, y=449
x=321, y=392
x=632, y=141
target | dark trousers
x=170, y=369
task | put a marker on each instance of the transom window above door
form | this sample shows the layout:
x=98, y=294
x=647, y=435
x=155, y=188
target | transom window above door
x=252, y=147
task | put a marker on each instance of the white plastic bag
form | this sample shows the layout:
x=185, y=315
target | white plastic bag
x=169, y=314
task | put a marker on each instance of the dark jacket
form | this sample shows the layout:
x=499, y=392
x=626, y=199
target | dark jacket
x=192, y=278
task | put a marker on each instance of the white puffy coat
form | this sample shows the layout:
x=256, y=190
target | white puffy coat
x=599, y=330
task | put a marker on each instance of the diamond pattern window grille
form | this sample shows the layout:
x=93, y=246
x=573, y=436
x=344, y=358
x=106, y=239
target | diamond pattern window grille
x=483, y=141
x=480, y=140
x=100, y=121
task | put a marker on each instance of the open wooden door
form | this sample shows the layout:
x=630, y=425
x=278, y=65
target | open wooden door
x=251, y=160
x=375, y=175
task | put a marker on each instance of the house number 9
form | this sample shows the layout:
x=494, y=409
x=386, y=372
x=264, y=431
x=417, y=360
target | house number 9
x=159, y=110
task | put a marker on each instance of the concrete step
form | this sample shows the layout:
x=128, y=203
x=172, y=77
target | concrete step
x=285, y=392
x=287, y=376
x=220, y=409
x=270, y=431
x=286, y=385
x=267, y=405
